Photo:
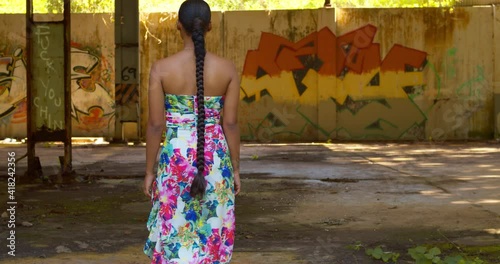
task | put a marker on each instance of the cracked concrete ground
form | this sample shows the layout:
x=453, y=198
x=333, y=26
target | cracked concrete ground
x=300, y=203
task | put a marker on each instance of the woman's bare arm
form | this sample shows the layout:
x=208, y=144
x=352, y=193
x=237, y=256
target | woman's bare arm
x=155, y=126
x=230, y=124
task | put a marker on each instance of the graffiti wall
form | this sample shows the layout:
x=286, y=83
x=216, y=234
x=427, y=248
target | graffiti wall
x=307, y=75
x=448, y=96
x=365, y=91
x=353, y=74
x=92, y=76
x=279, y=95
x=12, y=79
x=386, y=74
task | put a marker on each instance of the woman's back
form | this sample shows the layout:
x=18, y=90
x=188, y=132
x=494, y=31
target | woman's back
x=177, y=74
x=173, y=205
x=193, y=191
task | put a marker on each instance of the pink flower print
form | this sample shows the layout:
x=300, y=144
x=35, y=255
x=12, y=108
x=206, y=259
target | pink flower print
x=179, y=164
x=214, y=244
x=166, y=211
x=209, y=161
x=191, y=153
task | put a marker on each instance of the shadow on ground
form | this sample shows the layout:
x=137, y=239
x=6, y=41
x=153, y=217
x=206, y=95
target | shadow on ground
x=300, y=203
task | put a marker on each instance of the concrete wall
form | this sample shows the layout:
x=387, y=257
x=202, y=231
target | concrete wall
x=93, y=75
x=353, y=74
x=12, y=76
x=92, y=85
x=435, y=71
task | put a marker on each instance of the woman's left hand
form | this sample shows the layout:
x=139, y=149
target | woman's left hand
x=148, y=183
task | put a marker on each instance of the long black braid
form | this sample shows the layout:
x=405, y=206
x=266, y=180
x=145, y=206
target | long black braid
x=199, y=184
x=194, y=15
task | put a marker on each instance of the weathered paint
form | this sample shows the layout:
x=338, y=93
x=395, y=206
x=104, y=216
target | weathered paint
x=395, y=74
x=278, y=105
x=306, y=74
x=92, y=76
x=13, y=103
x=48, y=77
x=360, y=75
x=447, y=37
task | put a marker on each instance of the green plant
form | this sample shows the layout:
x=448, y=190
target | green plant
x=356, y=246
x=385, y=256
x=461, y=260
x=423, y=255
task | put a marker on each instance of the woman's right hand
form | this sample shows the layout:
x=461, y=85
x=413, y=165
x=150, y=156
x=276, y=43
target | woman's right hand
x=237, y=182
x=147, y=184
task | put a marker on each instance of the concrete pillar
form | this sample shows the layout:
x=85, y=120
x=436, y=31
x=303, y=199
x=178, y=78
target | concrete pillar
x=127, y=92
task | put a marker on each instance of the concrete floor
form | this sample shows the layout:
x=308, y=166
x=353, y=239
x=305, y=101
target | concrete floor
x=300, y=203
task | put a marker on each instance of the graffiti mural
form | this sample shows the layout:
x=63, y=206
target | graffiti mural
x=366, y=92
x=13, y=93
x=93, y=105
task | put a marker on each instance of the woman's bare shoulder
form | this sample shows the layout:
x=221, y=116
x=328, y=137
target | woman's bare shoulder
x=165, y=65
x=222, y=62
x=168, y=61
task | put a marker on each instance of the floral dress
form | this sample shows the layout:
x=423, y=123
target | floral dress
x=184, y=229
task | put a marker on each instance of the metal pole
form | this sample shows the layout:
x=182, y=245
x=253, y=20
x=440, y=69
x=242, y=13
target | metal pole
x=29, y=95
x=67, y=167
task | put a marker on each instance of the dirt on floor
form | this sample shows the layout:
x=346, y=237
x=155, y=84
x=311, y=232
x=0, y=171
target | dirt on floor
x=300, y=203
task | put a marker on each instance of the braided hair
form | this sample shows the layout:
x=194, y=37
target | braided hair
x=194, y=15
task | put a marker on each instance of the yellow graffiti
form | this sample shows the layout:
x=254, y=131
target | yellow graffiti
x=281, y=88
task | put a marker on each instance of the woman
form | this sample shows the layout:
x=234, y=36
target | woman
x=193, y=191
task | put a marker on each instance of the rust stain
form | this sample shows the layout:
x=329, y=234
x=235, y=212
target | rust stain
x=440, y=25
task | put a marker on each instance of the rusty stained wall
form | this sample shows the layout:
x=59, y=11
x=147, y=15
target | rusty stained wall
x=266, y=103
x=306, y=75
x=92, y=75
x=430, y=74
x=12, y=77
x=233, y=33
x=412, y=74
x=278, y=102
